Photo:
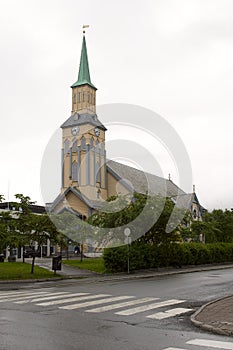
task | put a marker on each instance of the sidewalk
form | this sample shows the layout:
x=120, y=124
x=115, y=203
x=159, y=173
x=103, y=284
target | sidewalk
x=216, y=317
x=66, y=270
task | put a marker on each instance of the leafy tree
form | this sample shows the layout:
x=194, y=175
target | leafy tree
x=140, y=213
x=222, y=223
x=71, y=228
x=33, y=227
x=208, y=229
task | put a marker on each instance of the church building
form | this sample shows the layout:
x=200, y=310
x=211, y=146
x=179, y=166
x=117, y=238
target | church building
x=87, y=177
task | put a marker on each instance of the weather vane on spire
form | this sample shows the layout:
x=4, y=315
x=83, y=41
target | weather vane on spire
x=84, y=27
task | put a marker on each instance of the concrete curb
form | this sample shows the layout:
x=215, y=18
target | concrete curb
x=206, y=326
x=123, y=276
x=33, y=280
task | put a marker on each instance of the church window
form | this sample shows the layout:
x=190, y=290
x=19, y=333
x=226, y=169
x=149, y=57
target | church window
x=75, y=146
x=91, y=143
x=83, y=96
x=66, y=146
x=74, y=98
x=194, y=213
x=102, y=148
x=79, y=97
x=75, y=171
x=83, y=144
x=88, y=98
x=98, y=171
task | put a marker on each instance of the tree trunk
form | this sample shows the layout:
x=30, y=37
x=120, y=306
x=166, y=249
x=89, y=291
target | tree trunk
x=33, y=263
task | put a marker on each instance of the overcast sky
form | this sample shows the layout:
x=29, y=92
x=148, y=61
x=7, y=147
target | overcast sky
x=174, y=57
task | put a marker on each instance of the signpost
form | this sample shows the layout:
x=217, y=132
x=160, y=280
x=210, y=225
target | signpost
x=128, y=242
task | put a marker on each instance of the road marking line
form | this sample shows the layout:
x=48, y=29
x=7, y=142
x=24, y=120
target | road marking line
x=26, y=296
x=149, y=307
x=95, y=302
x=51, y=296
x=64, y=301
x=174, y=349
x=119, y=305
x=2, y=294
x=169, y=313
x=211, y=343
x=18, y=294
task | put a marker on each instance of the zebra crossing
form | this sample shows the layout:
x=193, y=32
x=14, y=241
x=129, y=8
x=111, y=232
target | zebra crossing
x=121, y=305
x=205, y=343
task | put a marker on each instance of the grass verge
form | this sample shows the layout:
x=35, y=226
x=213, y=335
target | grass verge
x=21, y=271
x=92, y=264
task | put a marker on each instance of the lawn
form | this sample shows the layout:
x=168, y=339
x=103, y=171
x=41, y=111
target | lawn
x=19, y=271
x=92, y=264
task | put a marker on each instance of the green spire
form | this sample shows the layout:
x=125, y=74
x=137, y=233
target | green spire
x=84, y=73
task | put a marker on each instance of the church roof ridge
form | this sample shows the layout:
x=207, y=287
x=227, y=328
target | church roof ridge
x=143, y=182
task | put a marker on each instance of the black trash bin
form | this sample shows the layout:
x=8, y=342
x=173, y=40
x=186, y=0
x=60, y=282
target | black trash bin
x=12, y=258
x=56, y=263
x=1, y=257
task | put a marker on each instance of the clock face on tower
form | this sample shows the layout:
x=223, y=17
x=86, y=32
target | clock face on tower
x=75, y=130
x=97, y=131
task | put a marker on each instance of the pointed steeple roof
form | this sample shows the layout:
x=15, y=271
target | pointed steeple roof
x=84, y=73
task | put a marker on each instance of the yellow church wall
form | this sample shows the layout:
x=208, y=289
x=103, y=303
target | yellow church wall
x=115, y=187
x=89, y=101
x=76, y=203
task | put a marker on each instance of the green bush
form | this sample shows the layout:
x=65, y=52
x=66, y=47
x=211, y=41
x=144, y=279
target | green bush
x=146, y=256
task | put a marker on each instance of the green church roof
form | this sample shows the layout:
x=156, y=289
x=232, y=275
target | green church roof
x=84, y=73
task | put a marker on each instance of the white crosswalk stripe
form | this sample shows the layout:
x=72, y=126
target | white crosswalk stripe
x=13, y=292
x=95, y=302
x=5, y=296
x=120, y=305
x=211, y=343
x=149, y=307
x=169, y=313
x=21, y=297
x=174, y=349
x=72, y=301
x=217, y=344
x=65, y=301
x=52, y=296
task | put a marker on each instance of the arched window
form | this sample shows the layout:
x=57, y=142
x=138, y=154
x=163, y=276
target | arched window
x=74, y=147
x=74, y=98
x=98, y=171
x=83, y=144
x=66, y=146
x=102, y=148
x=75, y=171
x=194, y=213
x=83, y=96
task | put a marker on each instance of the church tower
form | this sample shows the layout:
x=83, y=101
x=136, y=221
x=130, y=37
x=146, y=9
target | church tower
x=83, y=139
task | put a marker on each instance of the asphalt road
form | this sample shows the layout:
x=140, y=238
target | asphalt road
x=136, y=314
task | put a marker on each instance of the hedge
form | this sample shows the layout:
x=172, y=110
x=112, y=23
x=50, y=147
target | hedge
x=146, y=256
